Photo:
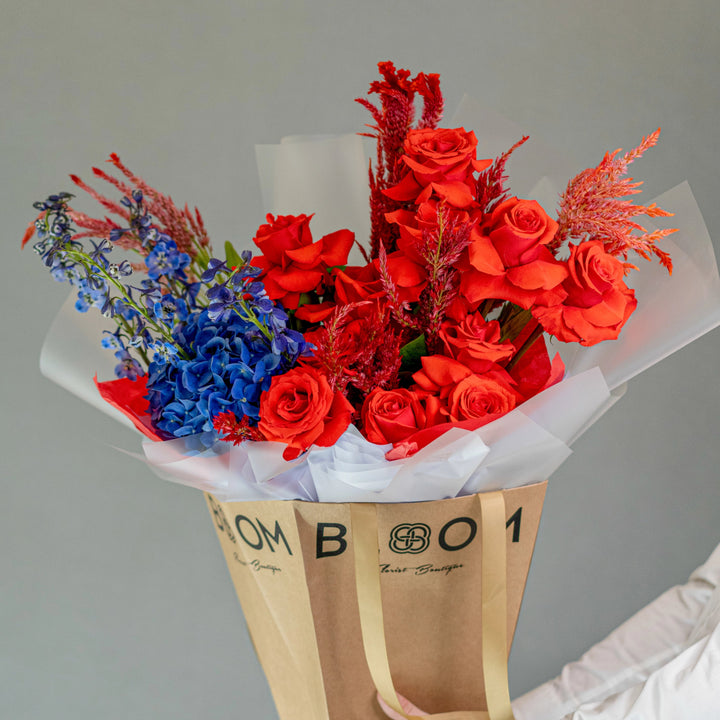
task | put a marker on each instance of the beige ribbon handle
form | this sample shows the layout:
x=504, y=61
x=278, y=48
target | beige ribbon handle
x=493, y=601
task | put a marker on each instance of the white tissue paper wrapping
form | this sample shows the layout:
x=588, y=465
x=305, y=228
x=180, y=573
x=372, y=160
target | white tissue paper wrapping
x=523, y=447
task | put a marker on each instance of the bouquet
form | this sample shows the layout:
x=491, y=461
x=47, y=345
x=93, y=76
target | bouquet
x=419, y=373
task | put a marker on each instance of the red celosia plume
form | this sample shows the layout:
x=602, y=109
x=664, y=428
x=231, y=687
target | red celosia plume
x=393, y=118
x=592, y=207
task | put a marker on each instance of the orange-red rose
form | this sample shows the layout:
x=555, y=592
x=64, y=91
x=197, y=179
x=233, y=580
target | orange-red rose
x=511, y=260
x=301, y=409
x=598, y=302
x=292, y=263
x=475, y=342
x=440, y=374
x=518, y=228
x=480, y=397
x=439, y=161
x=391, y=415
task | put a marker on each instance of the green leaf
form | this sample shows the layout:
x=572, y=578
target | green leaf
x=414, y=350
x=232, y=259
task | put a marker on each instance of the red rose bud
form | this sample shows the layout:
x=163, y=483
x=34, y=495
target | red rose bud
x=301, y=409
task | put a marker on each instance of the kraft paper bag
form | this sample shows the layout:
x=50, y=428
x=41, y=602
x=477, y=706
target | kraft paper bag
x=345, y=600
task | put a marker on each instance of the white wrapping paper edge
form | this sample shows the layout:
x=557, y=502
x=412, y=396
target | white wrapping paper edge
x=524, y=447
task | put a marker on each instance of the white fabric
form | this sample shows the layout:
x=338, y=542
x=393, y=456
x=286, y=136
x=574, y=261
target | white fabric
x=662, y=663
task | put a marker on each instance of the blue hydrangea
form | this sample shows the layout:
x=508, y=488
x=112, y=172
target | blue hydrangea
x=229, y=364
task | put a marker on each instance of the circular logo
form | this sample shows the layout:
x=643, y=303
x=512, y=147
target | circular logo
x=410, y=538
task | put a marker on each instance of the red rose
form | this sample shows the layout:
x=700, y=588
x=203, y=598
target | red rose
x=598, y=302
x=301, y=409
x=356, y=284
x=440, y=374
x=472, y=401
x=440, y=161
x=480, y=397
x=475, y=342
x=511, y=260
x=518, y=228
x=292, y=263
x=391, y=415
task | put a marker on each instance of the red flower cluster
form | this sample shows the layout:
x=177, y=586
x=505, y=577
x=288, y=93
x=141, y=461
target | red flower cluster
x=444, y=325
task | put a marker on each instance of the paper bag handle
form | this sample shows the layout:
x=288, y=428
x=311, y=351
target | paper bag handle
x=493, y=600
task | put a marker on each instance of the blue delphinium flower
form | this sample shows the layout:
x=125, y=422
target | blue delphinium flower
x=92, y=292
x=166, y=260
x=128, y=367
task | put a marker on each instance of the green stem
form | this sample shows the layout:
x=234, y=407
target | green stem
x=513, y=324
x=529, y=342
x=486, y=307
x=250, y=316
x=93, y=269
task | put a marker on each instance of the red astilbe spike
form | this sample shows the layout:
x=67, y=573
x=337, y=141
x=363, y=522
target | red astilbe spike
x=592, y=207
x=184, y=227
x=30, y=230
x=332, y=348
x=393, y=118
x=440, y=249
x=101, y=229
x=377, y=359
x=108, y=204
x=491, y=182
x=124, y=188
x=399, y=309
x=92, y=227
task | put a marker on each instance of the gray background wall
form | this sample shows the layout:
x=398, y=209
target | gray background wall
x=114, y=598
